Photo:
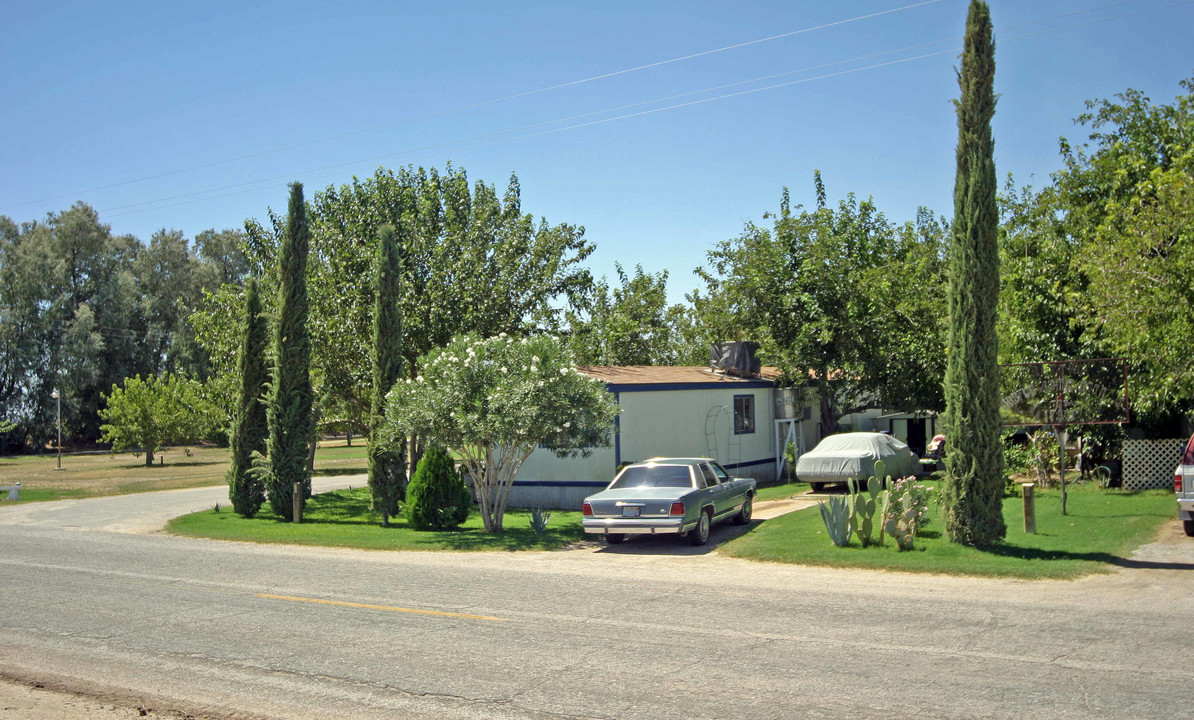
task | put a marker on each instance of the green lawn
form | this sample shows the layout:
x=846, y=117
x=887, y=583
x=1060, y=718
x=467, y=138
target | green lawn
x=1101, y=530
x=343, y=519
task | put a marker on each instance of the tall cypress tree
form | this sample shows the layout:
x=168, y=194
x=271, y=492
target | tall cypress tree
x=291, y=396
x=387, y=460
x=972, y=494
x=246, y=490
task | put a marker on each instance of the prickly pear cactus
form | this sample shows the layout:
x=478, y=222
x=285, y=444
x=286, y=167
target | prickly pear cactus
x=902, y=528
x=864, y=506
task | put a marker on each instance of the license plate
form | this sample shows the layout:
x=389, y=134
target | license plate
x=630, y=512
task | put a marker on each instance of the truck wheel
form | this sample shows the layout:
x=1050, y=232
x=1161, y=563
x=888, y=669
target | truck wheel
x=614, y=538
x=743, y=517
x=699, y=535
x=1189, y=526
x=817, y=487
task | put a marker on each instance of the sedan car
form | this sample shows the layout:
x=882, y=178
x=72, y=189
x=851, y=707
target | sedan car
x=668, y=496
x=837, y=458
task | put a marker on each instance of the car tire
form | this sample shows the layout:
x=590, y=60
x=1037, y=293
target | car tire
x=1189, y=526
x=817, y=487
x=743, y=516
x=699, y=535
x=614, y=538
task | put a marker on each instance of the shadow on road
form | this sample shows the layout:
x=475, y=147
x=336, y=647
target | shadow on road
x=677, y=546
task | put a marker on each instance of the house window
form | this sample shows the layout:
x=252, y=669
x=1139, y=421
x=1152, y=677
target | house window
x=744, y=414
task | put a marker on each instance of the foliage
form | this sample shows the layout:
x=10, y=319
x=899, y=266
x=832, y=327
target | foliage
x=473, y=261
x=835, y=295
x=387, y=461
x=1044, y=456
x=1130, y=196
x=493, y=400
x=972, y=494
x=81, y=309
x=633, y=325
x=837, y=519
x=156, y=411
x=290, y=396
x=437, y=498
x=250, y=427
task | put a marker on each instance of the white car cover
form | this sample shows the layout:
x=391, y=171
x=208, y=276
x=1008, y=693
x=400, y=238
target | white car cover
x=852, y=455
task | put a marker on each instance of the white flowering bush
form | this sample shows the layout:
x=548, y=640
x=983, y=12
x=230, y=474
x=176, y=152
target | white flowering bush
x=493, y=400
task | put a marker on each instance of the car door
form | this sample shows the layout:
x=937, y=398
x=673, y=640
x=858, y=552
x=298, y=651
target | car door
x=734, y=490
x=722, y=501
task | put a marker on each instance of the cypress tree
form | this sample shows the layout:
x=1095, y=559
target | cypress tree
x=290, y=397
x=972, y=494
x=387, y=460
x=250, y=430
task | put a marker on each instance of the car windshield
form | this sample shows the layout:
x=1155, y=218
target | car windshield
x=653, y=476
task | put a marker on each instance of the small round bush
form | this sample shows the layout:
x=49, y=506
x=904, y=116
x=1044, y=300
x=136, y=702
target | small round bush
x=437, y=498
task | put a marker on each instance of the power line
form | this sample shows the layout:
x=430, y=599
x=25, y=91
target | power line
x=483, y=103
x=492, y=138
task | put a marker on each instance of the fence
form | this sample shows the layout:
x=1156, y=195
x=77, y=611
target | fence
x=1150, y=463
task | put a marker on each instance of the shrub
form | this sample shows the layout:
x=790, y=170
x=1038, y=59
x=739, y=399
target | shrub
x=436, y=497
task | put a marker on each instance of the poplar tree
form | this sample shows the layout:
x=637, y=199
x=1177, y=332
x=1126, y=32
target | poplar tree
x=387, y=460
x=250, y=430
x=972, y=494
x=290, y=397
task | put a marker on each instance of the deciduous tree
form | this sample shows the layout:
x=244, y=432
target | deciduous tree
x=156, y=411
x=493, y=401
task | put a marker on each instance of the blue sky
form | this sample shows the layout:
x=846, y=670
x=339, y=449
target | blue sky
x=194, y=116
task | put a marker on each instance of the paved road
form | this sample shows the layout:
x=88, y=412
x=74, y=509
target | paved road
x=646, y=630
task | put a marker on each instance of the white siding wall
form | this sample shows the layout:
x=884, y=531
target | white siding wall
x=654, y=423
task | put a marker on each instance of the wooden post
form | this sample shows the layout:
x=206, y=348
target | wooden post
x=297, y=501
x=1029, y=490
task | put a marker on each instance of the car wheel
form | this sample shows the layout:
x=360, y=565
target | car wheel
x=614, y=538
x=817, y=487
x=699, y=535
x=743, y=516
x=1189, y=526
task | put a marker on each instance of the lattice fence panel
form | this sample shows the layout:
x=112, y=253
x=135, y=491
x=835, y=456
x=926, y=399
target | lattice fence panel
x=1150, y=463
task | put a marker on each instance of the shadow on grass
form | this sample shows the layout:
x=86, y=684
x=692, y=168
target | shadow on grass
x=1023, y=553
x=336, y=471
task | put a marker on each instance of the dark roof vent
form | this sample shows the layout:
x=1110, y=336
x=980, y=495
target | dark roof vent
x=735, y=358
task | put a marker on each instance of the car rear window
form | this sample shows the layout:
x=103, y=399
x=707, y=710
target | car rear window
x=653, y=476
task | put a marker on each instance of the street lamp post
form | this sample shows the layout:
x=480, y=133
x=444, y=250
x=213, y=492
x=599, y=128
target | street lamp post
x=58, y=399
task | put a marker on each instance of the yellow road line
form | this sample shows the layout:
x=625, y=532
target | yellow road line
x=377, y=607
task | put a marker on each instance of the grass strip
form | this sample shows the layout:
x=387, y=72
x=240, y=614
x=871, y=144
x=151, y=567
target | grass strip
x=1100, y=532
x=343, y=519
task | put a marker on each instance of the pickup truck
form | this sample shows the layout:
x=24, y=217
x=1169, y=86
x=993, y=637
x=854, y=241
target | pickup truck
x=1183, y=486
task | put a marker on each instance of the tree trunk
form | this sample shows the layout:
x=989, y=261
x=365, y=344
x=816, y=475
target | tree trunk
x=148, y=457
